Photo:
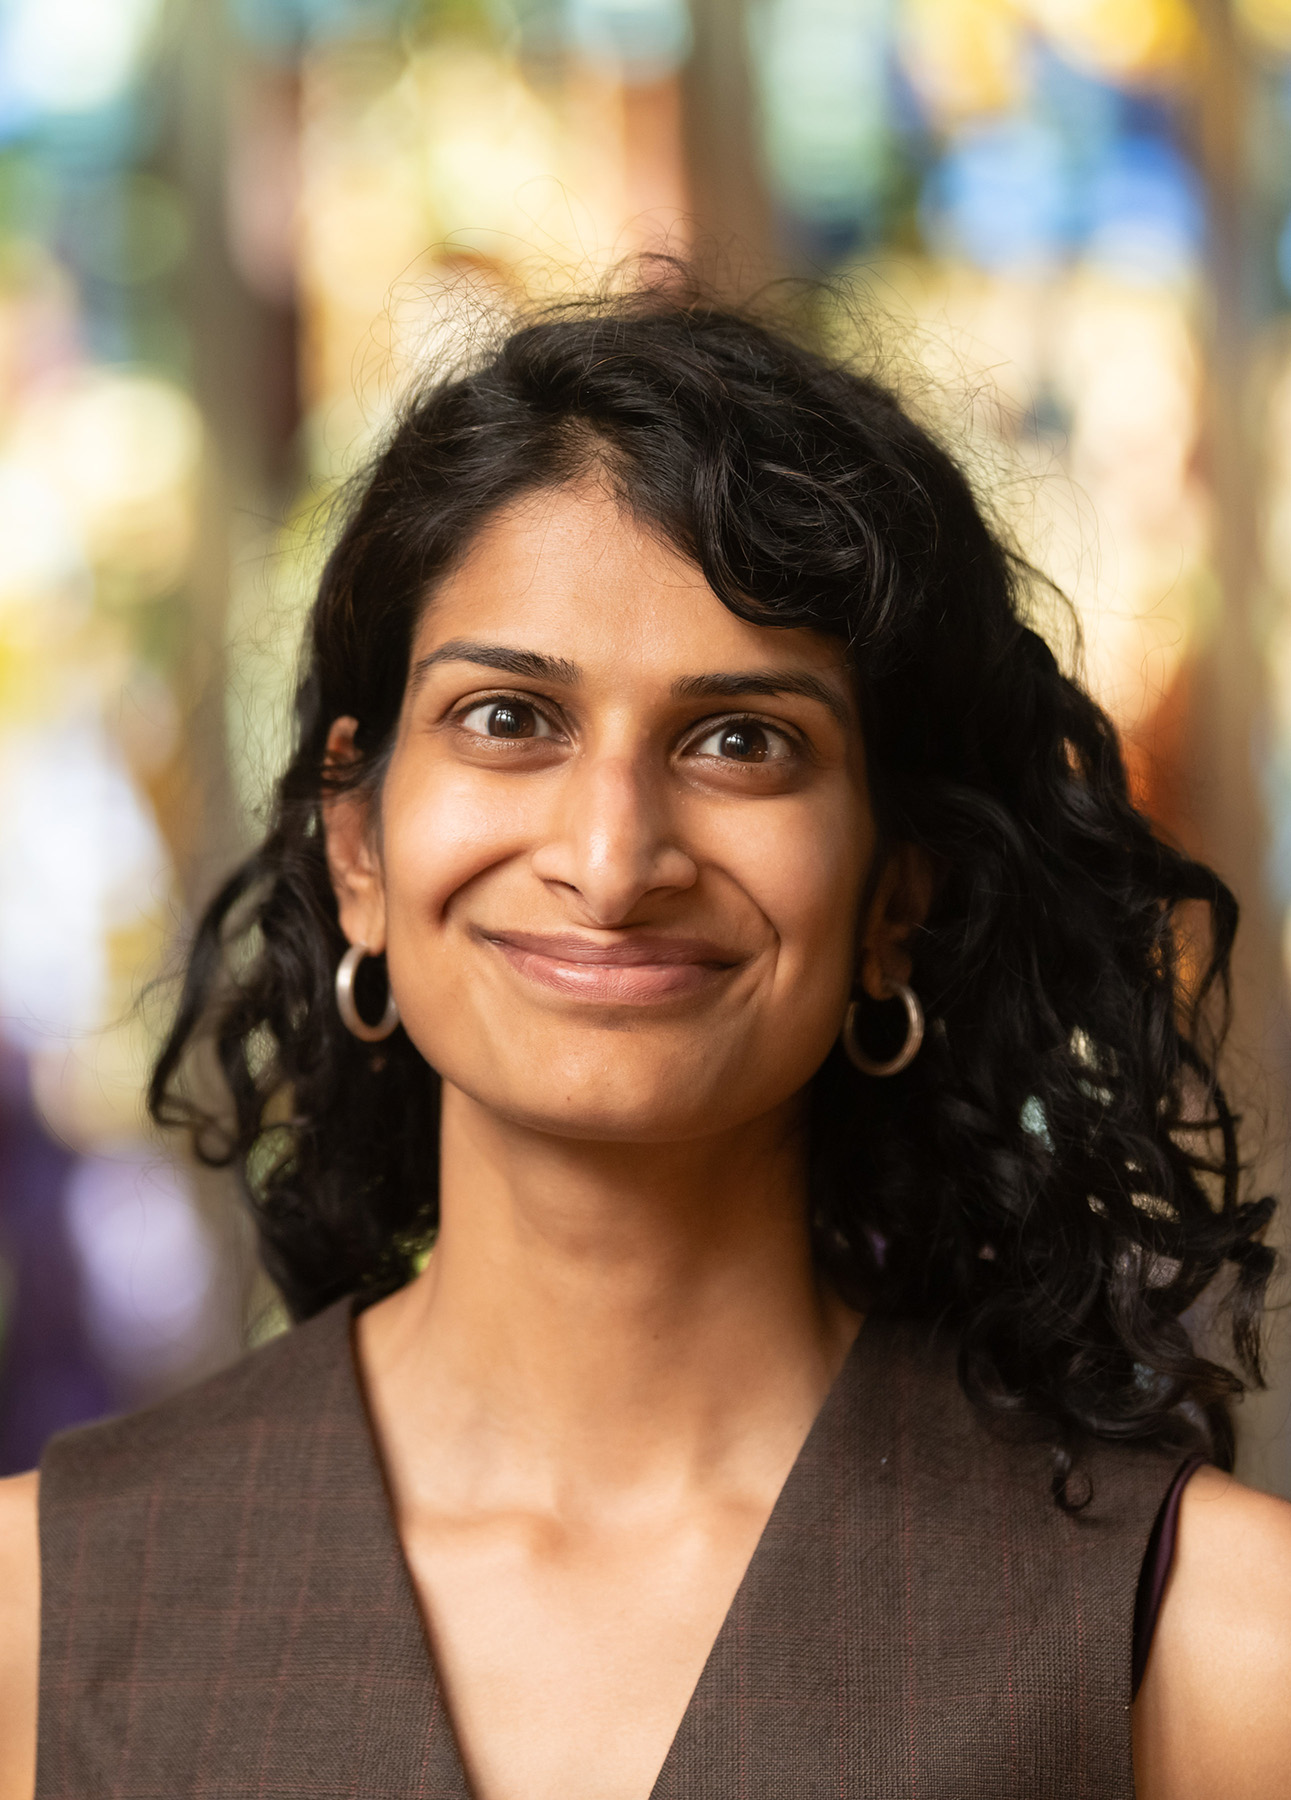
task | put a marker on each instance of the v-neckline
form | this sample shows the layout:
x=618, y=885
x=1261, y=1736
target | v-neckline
x=804, y=1466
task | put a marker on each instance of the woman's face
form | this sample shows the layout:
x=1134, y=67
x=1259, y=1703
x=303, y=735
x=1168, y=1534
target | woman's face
x=622, y=838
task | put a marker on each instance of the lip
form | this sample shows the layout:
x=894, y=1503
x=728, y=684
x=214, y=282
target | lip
x=633, y=971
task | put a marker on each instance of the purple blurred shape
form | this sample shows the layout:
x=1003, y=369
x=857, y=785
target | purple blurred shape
x=50, y=1377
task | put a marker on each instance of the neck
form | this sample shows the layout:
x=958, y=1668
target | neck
x=614, y=1303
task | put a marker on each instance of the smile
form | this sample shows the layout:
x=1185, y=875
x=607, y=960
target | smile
x=635, y=972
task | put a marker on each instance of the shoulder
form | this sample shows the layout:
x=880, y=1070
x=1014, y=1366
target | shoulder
x=199, y=1434
x=80, y=1537
x=19, y=1635
x=163, y=1496
x=983, y=1456
x=1211, y=1716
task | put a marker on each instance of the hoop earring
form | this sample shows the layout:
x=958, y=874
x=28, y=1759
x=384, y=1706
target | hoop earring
x=351, y=1017
x=908, y=1051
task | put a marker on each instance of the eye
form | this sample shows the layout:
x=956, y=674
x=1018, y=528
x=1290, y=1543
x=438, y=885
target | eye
x=744, y=741
x=506, y=719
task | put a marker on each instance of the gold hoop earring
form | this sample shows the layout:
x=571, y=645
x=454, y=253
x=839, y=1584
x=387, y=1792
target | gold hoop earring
x=346, y=1005
x=908, y=1051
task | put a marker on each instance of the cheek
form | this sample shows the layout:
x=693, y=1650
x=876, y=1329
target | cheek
x=440, y=832
x=803, y=864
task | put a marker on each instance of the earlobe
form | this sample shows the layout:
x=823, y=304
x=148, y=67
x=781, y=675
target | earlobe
x=901, y=904
x=880, y=974
x=352, y=860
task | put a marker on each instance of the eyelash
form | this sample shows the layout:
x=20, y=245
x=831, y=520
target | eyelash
x=478, y=702
x=792, y=747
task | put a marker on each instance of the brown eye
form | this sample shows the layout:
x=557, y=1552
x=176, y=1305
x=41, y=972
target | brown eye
x=746, y=741
x=507, y=719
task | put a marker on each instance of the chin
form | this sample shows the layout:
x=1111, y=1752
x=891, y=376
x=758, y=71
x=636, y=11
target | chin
x=612, y=1107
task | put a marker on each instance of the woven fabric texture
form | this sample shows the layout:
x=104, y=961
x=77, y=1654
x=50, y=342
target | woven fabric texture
x=227, y=1612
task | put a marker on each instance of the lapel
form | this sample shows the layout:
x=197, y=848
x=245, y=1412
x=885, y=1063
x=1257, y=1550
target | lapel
x=770, y=1716
x=404, y=1745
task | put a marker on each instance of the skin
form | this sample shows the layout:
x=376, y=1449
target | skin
x=623, y=914
x=1212, y=1717
x=19, y=1635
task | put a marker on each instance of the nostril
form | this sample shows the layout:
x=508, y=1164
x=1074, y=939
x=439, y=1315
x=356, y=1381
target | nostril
x=614, y=844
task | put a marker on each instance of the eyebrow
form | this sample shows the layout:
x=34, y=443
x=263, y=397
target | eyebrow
x=763, y=681
x=530, y=663
x=536, y=666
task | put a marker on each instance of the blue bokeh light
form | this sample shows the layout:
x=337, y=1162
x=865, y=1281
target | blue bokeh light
x=1001, y=196
x=1021, y=193
x=1145, y=213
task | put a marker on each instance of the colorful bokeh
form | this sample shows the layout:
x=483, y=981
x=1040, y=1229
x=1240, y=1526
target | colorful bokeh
x=231, y=235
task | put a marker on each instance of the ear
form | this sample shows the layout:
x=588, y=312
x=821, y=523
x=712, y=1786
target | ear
x=352, y=859
x=900, y=905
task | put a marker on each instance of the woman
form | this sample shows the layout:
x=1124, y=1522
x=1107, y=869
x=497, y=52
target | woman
x=698, y=903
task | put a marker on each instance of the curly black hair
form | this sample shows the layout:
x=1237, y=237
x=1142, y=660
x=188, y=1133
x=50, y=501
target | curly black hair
x=1057, y=1175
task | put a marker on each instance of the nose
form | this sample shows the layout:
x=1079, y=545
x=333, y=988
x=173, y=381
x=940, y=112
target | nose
x=611, y=842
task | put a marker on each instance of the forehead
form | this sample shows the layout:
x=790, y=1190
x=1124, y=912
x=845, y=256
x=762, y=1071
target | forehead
x=568, y=572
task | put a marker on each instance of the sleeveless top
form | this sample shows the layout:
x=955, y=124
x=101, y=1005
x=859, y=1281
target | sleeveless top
x=227, y=1612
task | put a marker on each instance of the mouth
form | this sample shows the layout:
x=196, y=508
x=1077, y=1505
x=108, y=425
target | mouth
x=634, y=971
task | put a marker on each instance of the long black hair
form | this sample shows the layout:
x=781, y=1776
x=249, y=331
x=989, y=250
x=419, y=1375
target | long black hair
x=1057, y=1174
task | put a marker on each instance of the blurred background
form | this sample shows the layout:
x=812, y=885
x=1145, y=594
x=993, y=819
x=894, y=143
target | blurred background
x=228, y=230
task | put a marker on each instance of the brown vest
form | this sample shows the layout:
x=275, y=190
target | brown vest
x=227, y=1613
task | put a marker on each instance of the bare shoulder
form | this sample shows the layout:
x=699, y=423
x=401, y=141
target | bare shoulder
x=19, y=1634
x=1212, y=1714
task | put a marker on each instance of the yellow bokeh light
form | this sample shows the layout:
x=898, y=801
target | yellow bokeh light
x=964, y=57
x=1111, y=507
x=967, y=58
x=1267, y=21
x=433, y=183
x=1123, y=39
x=122, y=450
